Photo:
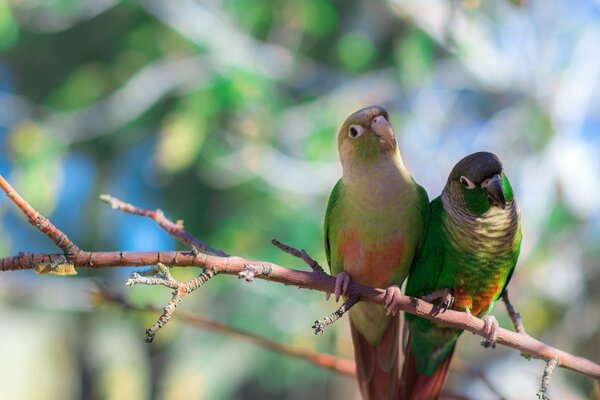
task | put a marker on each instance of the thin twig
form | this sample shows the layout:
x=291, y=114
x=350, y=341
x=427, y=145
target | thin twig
x=174, y=229
x=40, y=222
x=327, y=361
x=319, y=325
x=550, y=365
x=515, y=317
x=302, y=254
x=162, y=276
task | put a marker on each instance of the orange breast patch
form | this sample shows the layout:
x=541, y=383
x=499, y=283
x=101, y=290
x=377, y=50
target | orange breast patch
x=476, y=301
x=372, y=263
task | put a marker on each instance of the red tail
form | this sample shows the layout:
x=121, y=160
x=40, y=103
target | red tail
x=377, y=366
x=419, y=386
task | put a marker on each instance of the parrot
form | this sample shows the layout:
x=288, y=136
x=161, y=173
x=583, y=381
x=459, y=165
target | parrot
x=469, y=254
x=374, y=226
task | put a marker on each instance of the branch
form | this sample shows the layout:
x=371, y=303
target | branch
x=327, y=361
x=550, y=366
x=40, y=222
x=180, y=290
x=172, y=228
x=515, y=317
x=234, y=265
x=319, y=325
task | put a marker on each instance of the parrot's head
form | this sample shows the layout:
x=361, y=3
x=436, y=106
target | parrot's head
x=366, y=135
x=477, y=182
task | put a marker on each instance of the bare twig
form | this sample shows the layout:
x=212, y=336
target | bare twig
x=339, y=365
x=515, y=317
x=302, y=254
x=550, y=365
x=309, y=280
x=319, y=325
x=40, y=222
x=172, y=228
x=163, y=277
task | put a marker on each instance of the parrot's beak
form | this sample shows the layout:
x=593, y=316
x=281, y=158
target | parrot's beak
x=493, y=188
x=383, y=130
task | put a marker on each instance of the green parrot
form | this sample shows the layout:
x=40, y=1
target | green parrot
x=470, y=252
x=374, y=226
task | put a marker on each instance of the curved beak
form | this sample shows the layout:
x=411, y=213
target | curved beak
x=383, y=130
x=493, y=188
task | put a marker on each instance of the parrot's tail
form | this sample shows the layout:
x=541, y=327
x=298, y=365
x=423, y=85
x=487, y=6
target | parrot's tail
x=377, y=367
x=418, y=386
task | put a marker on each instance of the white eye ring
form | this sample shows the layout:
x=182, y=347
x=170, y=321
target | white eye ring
x=355, y=131
x=466, y=182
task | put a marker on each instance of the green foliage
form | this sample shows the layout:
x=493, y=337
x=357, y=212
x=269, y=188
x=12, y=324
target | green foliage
x=9, y=29
x=356, y=51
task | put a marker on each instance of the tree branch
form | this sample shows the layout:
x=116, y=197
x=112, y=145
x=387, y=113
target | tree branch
x=40, y=222
x=172, y=228
x=234, y=265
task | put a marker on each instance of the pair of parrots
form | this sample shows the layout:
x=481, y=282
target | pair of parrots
x=380, y=227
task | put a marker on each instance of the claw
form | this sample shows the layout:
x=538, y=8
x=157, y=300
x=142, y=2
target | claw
x=342, y=280
x=448, y=301
x=392, y=299
x=444, y=297
x=490, y=330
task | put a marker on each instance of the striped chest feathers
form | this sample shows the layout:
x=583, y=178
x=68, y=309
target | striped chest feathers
x=487, y=237
x=482, y=251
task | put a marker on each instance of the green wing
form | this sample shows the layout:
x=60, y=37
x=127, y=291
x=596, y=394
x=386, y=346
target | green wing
x=429, y=343
x=334, y=198
x=424, y=213
x=509, y=195
x=514, y=263
x=427, y=267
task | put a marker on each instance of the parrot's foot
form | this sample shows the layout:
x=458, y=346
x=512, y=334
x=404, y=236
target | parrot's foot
x=342, y=280
x=392, y=297
x=490, y=330
x=444, y=297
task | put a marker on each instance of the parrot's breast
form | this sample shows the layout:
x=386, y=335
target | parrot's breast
x=373, y=263
x=482, y=252
x=480, y=300
x=378, y=225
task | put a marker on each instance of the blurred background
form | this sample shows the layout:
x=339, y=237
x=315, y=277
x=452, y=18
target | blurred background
x=224, y=114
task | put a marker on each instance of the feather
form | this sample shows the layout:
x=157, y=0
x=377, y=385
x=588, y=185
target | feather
x=420, y=386
x=377, y=366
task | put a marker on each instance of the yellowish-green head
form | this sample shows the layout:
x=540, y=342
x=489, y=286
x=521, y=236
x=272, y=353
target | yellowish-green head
x=366, y=135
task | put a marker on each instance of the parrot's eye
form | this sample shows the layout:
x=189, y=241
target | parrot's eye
x=355, y=131
x=466, y=182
